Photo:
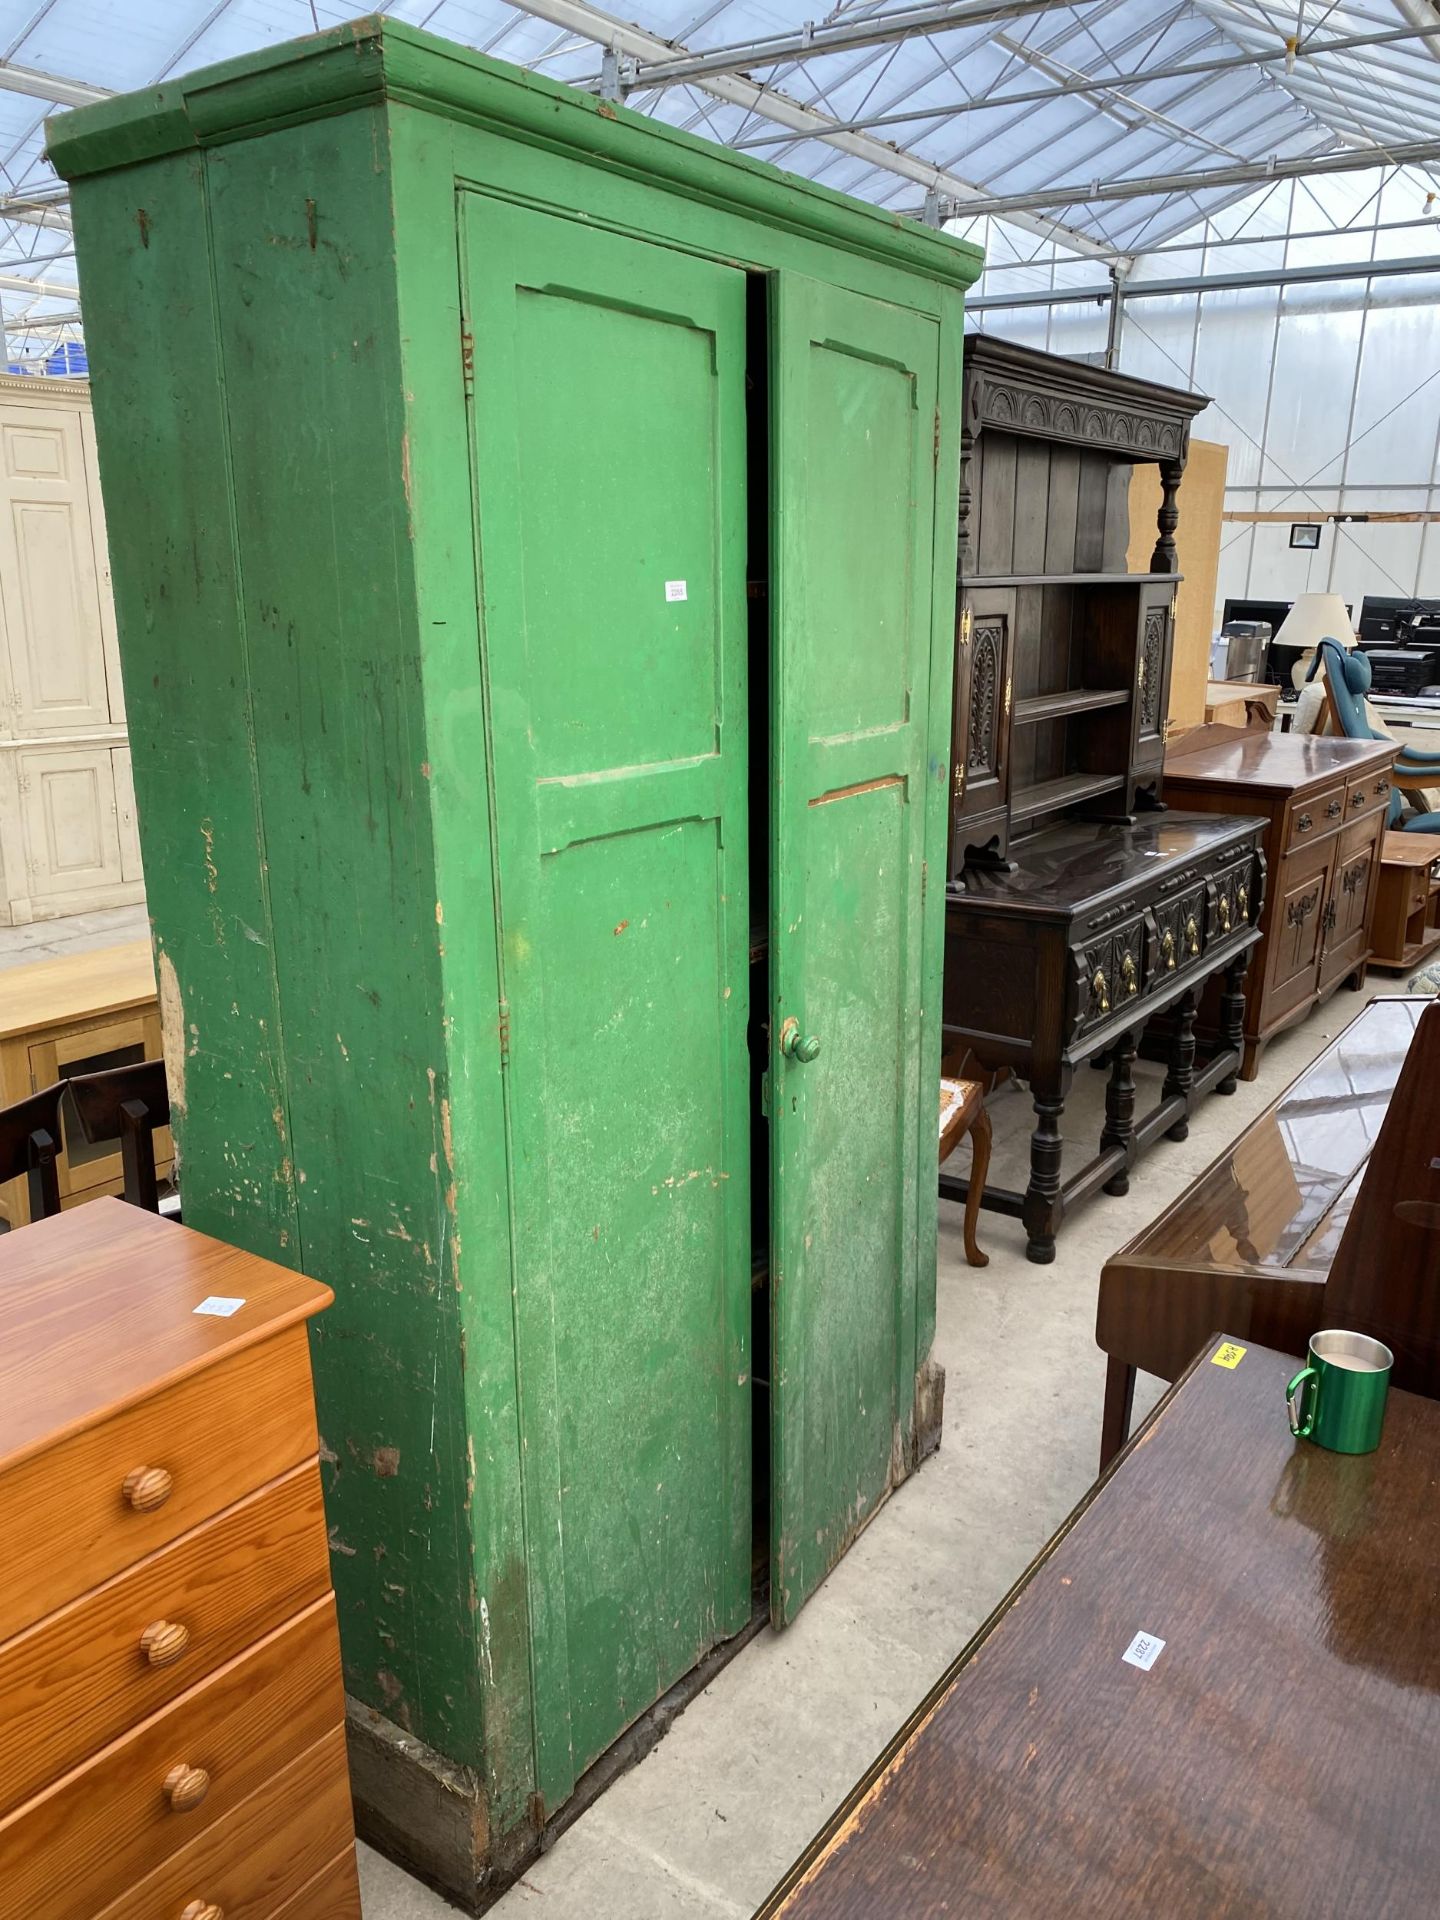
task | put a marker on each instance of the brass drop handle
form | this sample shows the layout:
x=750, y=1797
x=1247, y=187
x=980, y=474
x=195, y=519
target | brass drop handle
x=1167, y=948
x=1129, y=975
x=1192, y=934
x=147, y=1488
x=202, y=1910
x=163, y=1642
x=1224, y=914
x=1243, y=896
x=186, y=1787
x=1331, y=811
x=1357, y=799
x=1098, y=988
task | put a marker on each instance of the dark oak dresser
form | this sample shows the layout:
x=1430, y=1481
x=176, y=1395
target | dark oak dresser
x=1077, y=908
x=1325, y=801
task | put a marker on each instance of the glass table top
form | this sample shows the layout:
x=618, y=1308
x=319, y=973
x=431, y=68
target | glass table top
x=1281, y=1196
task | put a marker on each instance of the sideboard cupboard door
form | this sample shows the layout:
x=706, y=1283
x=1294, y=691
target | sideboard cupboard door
x=1302, y=899
x=853, y=394
x=609, y=434
x=984, y=673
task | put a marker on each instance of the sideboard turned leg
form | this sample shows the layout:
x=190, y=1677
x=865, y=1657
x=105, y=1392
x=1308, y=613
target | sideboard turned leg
x=1232, y=1018
x=1119, y=1128
x=1043, y=1207
x=1180, y=1073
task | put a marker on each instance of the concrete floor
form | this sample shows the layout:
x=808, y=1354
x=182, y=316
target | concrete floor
x=704, y=1826
x=76, y=933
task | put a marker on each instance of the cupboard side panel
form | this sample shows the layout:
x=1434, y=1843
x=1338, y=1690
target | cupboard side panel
x=305, y=275
x=161, y=433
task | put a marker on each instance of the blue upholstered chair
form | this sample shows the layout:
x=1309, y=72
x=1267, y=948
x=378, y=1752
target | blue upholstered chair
x=1347, y=681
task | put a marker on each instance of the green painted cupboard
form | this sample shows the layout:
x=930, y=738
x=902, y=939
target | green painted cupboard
x=534, y=544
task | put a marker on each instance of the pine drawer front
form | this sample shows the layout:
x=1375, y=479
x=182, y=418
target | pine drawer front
x=107, y=1825
x=331, y=1895
x=95, y=1503
x=83, y=1677
x=248, y=1865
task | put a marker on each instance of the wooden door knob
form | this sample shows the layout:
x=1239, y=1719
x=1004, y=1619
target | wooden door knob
x=186, y=1787
x=202, y=1910
x=163, y=1642
x=147, y=1488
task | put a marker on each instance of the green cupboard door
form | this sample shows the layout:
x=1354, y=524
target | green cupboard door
x=608, y=428
x=853, y=396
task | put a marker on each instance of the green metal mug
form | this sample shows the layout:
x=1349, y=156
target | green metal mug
x=1338, y=1401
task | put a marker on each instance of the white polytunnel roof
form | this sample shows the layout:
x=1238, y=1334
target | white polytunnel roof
x=1095, y=131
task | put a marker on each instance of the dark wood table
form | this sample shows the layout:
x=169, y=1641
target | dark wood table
x=1279, y=1757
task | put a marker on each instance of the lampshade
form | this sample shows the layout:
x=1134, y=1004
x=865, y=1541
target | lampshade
x=1315, y=617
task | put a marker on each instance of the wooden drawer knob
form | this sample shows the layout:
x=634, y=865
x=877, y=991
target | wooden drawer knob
x=163, y=1642
x=186, y=1787
x=147, y=1488
x=202, y=1910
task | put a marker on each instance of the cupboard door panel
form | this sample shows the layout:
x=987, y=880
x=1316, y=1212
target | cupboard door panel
x=52, y=595
x=980, y=779
x=126, y=824
x=612, y=541
x=853, y=387
x=1298, y=926
x=67, y=801
x=1347, y=939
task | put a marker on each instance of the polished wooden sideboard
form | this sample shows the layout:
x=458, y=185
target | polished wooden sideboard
x=1324, y=800
x=173, y=1739
x=77, y=1013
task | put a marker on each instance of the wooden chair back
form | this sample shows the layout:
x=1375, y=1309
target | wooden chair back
x=1385, y=1279
x=29, y=1142
x=130, y=1102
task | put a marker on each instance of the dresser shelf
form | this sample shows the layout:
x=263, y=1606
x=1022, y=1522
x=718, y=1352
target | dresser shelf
x=1029, y=802
x=1058, y=706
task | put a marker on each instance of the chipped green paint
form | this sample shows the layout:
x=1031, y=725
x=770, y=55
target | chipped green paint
x=451, y=896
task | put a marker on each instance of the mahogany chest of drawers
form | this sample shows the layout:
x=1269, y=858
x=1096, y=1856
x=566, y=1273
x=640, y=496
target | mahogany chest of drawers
x=1325, y=801
x=172, y=1741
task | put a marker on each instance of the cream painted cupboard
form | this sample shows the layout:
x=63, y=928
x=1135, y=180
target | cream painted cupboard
x=67, y=808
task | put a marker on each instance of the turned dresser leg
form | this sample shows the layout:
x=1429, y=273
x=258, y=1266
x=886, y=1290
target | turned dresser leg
x=1119, y=1128
x=1232, y=1018
x=1180, y=1071
x=1043, y=1208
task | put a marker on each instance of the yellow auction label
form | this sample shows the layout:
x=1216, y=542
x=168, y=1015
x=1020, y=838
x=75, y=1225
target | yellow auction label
x=1227, y=1354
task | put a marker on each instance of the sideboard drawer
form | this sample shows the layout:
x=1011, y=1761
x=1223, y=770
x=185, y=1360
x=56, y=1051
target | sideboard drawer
x=1366, y=792
x=262, y=1855
x=1180, y=925
x=97, y=1831
x=96, y=1503
x=1317, y=814
x=86, y=1675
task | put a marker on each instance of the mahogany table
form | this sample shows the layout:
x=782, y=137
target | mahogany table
x=1277, y=1756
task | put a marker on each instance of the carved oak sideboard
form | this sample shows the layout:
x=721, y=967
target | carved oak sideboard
x=1077, y=908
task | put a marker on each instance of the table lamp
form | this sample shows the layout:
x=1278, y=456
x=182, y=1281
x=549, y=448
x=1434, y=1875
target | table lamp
x=1314, y=617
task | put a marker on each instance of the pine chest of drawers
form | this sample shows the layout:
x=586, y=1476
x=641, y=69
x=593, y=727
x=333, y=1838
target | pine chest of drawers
x=172, y=1738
